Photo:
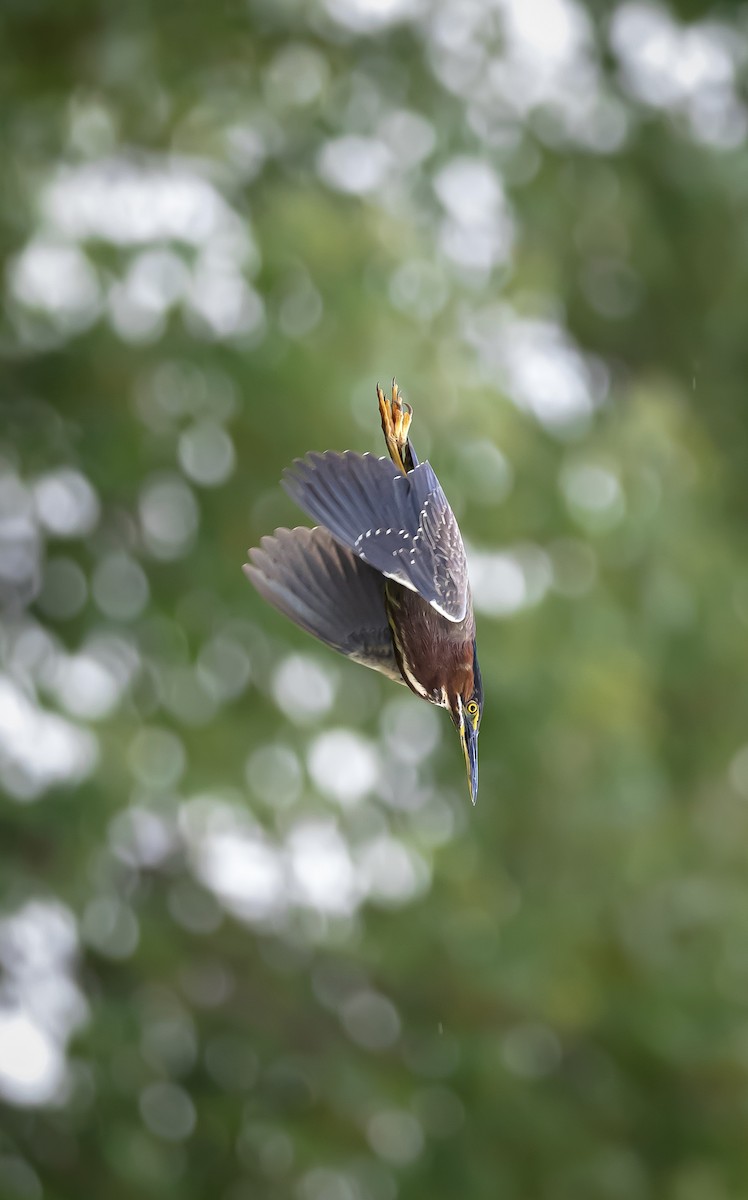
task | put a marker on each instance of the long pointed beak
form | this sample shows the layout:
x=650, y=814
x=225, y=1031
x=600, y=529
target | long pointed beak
x=469, y=740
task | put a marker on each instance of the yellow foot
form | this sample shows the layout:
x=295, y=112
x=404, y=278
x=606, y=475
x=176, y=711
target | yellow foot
x=396, y=416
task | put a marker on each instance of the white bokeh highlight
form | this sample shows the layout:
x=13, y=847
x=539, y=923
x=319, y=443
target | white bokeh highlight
x=41, y=1004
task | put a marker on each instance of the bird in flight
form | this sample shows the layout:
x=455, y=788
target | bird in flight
x=382, y=578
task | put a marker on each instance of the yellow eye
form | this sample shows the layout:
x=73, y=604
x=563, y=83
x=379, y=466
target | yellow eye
x=472, y=708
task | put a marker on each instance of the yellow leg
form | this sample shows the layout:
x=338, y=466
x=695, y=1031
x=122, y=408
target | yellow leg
x=396, y=416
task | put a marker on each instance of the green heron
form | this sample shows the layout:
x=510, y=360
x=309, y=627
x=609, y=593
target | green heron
x=383, y=578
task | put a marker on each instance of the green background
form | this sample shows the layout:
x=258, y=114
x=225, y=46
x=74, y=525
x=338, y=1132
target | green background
x=254, y=940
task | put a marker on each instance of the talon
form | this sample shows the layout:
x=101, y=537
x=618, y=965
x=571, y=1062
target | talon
x=384, y=411
x=388, y=430
x=407, y=418
x=396, y=416
x=397, y=411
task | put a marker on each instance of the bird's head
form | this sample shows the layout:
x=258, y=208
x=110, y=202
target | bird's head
x=465, y=703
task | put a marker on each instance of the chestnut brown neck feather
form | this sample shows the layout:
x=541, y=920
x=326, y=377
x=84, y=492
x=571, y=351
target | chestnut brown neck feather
x=435, y=655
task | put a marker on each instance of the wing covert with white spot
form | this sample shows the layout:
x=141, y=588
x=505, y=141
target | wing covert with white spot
x=402, y=525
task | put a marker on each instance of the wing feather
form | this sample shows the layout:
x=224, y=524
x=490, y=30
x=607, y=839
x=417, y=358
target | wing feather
x=323, y=588
x=401, y=525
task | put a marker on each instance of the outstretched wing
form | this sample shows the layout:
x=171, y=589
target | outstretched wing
x=327, y=591
x=401, y=525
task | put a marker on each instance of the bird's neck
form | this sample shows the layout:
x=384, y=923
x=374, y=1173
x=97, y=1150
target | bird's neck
x=435, y=655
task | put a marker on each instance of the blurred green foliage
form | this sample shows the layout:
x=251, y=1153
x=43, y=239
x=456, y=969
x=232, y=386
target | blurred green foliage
x=254, y=947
